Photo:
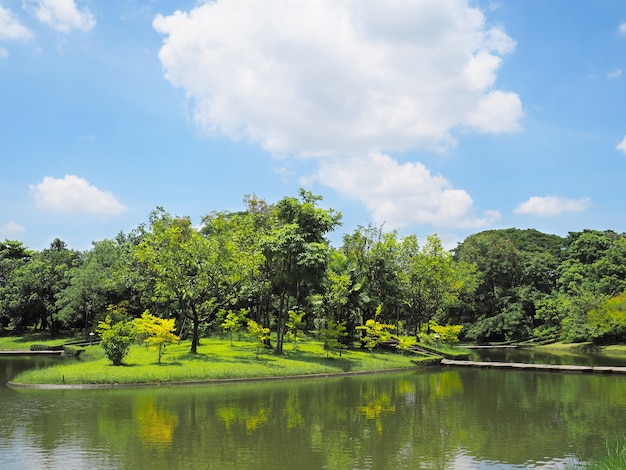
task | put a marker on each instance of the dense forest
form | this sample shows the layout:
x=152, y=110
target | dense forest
x=273, y=263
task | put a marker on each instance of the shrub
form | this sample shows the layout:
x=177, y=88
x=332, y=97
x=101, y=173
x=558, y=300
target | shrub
x=116, y=340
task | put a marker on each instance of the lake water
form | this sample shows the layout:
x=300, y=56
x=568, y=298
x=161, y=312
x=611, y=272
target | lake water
x=451, y=418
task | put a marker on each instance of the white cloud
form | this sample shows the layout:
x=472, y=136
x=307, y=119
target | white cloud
x=10, y=27
x=340, y=78
x=401, y=194
x=74, y=195
x=3, y=53
x=63, y=15
x=622, y=28
x=11, y=228
x=622, y=145
x=614, y=74
x=552, y=205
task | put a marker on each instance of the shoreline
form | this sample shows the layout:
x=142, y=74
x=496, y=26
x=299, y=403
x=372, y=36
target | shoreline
x=25, y=352
x=16, y=385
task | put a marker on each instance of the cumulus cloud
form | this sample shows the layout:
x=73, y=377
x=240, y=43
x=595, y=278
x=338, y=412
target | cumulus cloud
x=349, y=83
x=622, y=28
x=11, y=228
x=74, y=195
x=63, y=15
x=340, y=78
x=622, y=145
x=10, y=27
x=552, y=205
x=402, y=194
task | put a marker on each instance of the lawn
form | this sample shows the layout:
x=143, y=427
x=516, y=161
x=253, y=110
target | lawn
x=216, y=360
x=23, y=342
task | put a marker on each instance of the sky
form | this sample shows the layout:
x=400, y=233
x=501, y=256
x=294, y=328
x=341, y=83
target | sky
x=444, y=117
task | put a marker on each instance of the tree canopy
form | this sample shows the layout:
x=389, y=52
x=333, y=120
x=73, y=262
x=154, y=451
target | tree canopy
x=273, y=263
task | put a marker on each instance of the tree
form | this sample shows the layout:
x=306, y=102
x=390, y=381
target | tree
x=199, y=275
x=432, y=281
x=233, y=322
x=295, y=325
x=156, y=332
x=31, y=291
x=116, y=339
x=372, y=263
x=93, y=285
x=375, y=331
x=296, y=253
x=495, y=311
x=259, y=333
x=332, y=335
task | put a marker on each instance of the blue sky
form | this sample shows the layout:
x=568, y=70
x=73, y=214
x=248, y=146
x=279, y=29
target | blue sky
x=442, y=117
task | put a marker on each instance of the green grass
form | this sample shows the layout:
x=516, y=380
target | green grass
x=23, y=342
x=215, y=360
x=615, y=350
x=613, y=458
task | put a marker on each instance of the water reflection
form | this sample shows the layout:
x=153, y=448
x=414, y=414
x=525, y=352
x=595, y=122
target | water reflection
x=556, y=357
x=155, y=424
x=437, y=419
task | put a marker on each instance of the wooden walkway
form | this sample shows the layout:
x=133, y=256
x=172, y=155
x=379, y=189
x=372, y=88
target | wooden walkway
x=546, y=367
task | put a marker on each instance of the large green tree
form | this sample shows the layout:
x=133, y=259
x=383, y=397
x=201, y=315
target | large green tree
x=296, y=253
x=198, y=275
x=94, y=285
x=432, y=280
x=31, y=291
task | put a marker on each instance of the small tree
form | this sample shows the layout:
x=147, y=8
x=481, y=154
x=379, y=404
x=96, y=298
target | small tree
x=233, y=322
x=332, y=335
x=375, y=331
x=405, y=343
x=260, y=333
x=116, y=339
x=295, y=325
x=448, y=334
x=157, y=332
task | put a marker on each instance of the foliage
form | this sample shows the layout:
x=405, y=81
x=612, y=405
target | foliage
x=448, y=334
x=199, y=274
x=607, y=322
x=332, y=335
x=375, y=332
x=233, y=322
x=116, y=339
x=294, y=325
x=156, y=332
x=259, y=333
x=271, y=260
x=405, y=343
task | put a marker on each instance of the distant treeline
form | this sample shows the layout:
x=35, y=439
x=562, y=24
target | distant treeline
x=272, y=261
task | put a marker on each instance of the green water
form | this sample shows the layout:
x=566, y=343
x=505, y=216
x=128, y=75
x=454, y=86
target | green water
x=437, y=419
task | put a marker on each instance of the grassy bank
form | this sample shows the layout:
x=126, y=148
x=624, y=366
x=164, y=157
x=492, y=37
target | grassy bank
x=216, y=360
x=575, y=348
x=23, y=342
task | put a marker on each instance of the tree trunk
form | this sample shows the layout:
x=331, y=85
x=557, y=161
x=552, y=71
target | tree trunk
x=280, y=322
x=195, y=333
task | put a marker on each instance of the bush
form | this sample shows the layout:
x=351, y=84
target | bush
x=116, y=340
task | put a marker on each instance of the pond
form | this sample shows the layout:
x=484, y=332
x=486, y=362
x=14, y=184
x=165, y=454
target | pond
x=543, y=356
x=431, y=419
